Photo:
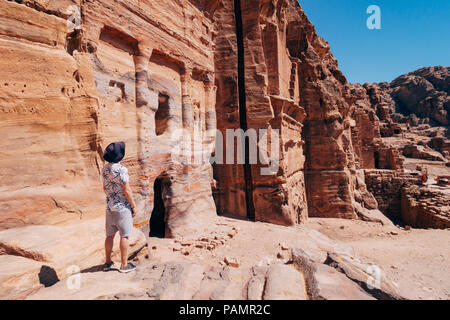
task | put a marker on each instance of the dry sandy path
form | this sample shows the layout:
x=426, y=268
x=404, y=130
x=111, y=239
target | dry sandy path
x=417, y=260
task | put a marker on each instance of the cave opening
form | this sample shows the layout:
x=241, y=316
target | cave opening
x=157, y=220
x=73, y=41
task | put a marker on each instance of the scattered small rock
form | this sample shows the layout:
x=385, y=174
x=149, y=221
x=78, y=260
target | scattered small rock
x=232, y=262
x=185, y=252
x=280, y=255
x=394, y=233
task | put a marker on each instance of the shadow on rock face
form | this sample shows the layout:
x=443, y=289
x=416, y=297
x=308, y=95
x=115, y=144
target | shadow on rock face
x=48, y=276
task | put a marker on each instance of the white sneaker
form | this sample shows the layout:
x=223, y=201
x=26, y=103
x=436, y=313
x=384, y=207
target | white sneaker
x=128, y=268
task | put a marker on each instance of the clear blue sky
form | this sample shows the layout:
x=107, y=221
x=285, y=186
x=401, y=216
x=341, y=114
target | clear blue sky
x=414, y=34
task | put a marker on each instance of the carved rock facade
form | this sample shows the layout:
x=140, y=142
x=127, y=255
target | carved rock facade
x=77, y=75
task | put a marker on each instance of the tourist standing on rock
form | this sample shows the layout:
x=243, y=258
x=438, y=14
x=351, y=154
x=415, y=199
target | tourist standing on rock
x=120, y=206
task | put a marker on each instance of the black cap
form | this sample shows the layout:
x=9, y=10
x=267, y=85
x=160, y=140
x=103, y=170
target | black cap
x=114, y=152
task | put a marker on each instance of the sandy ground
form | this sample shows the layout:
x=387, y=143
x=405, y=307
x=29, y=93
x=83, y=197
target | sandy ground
x=417, y=260
x=250, y=243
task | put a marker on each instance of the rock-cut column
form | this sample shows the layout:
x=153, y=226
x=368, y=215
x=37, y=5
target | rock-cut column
x=145, y=129
x=186, y=104
x=209, y=138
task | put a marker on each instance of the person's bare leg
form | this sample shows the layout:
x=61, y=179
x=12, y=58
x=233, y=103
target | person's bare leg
x=124, y=251
x=109, y=242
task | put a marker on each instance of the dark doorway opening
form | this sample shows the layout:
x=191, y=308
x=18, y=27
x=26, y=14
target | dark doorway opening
x=162, y=116
x=376, y=157
x=157, y=220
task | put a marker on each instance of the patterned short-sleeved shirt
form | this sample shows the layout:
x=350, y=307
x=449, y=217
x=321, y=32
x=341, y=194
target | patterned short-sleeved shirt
x=114, y=176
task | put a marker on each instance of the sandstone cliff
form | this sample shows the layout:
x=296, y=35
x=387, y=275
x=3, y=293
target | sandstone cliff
x=139, y=71
x=163, y=76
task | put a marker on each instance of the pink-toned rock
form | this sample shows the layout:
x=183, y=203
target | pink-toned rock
x=59, y=249
x=284, y=282
x=19, y=276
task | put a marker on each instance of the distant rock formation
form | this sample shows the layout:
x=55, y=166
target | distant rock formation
x=419, y=96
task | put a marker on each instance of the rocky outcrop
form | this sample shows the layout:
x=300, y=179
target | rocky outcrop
x=38, y=256
x=369, y=276
x=425, y=93
x=422, y=152
x=372, y=122
x=417, y=97
x=324, y=282
x=72, y=87
x=302, y=278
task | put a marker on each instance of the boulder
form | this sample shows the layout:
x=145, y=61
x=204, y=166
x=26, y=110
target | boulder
x=370, y=277
x=61, y=249
x=326, y=283
x=284, y=282
x=422, y=152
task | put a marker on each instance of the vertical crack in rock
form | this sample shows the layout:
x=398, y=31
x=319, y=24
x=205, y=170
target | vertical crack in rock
x=243, y=110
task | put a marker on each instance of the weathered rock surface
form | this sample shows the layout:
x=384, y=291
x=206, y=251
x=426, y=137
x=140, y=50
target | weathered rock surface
x=19, y=276
x=422, y=152
x=284, y=282
x=326, y=283
x=166, y=274
x=370, y=277
x=182, y=280
x=425, y=93
x=70, y=89
x=34, y=256
x=414, y=97
x=140, y=72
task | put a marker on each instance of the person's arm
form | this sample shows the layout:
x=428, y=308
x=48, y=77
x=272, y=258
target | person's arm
x=129, y=195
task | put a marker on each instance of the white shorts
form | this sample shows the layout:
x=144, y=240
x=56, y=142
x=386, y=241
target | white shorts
x=121, y=220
